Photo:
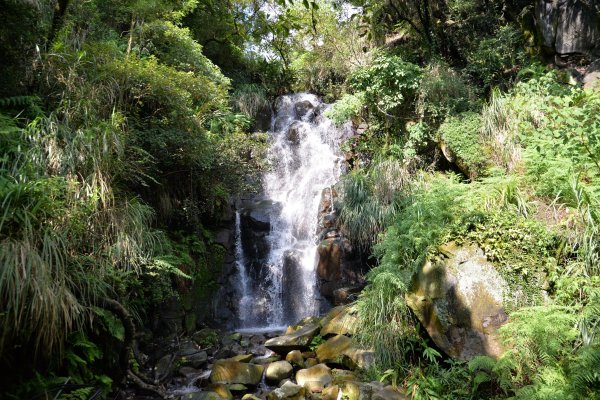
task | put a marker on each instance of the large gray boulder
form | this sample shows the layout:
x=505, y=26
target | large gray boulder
x=278, y=371
x=459, y=299
x=315, y=378
x=568, y=26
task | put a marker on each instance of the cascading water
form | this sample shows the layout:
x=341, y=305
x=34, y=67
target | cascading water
x=279, y=287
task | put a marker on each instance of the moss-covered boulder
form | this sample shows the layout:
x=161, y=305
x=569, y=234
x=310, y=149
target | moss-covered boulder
x=459, y=297
x=230, y=371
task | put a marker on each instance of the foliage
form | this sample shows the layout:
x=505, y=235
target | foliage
x=460, y=135
x=349, y=107
x=388, y=83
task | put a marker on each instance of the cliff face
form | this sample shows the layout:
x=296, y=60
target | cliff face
x=568, y=26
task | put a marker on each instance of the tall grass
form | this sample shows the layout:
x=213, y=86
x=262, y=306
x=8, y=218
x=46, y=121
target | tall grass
x=62, y=230
x=369, y=201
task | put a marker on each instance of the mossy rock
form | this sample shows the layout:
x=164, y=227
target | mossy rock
x=458, y=298
x=229, y=371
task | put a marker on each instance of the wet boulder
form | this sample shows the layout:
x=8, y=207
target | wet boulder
x=303, y=108
x=229, y=371
x=315, y=378
x=458, y=298
x=298, y=340
x=288, y=391
x=278, y=371
x=294, y=132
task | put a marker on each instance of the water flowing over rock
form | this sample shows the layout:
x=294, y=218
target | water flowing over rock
x=276, y=231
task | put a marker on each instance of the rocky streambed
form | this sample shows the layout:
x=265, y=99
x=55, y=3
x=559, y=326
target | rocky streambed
x=315, y=359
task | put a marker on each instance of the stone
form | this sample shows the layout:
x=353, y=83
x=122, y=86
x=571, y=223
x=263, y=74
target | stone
x=295, y=358
x=278, y=371
x=339, y=321
x=220, y=389
x=591, y=79
x=206, y=337
x=194, y=360
x=568, y=26
x=237, y=387
x=330, y=393
x=265, y=360
x=236, y=336
x=342, y=375
x=315, y=378
x=294, y=132
x=288, y=391
x=189, y=371
x=354, y=358
x=302, y=108
x=458, y=298
x=332, y=350
x=249, y=396
x=163, y=367
x=389, y=393
x=310, y=362
x=299, y=340
x=354, y=390
x=201, y=396
x=227, y=371
x=346, y=295
x=245, y=358
x=330, y=259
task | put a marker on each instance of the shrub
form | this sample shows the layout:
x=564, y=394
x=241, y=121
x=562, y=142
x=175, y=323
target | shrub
x=461, y=143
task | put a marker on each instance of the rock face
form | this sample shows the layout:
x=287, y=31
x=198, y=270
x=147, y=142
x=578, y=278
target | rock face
x=459, y=300
x=229, y=371
x=568, y=26
x=337, y=266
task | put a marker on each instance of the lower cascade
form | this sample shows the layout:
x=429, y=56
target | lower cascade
x=276, y=231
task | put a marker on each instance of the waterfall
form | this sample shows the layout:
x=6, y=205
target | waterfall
x=277, y=267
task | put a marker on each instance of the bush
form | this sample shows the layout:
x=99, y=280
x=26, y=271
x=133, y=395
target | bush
x=460, y=140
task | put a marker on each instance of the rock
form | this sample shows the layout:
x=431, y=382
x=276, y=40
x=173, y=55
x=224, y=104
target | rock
x=302, y=323
x=353, y=390
x=189, y=371
x=568, y=26
x=330, y=393
x=346, y=295
x=206, y=337
x=262, y=119
x=355, y=357
x=330, y=257
x=591, y=79
x=278, y=371
x=458, y=298
x=298, y=340
x=249, y=396
x=163, y=367
x=339, y=321
x=294, y=132
x=310, y=362
x=332, y=350
x=220, y=389
x=342, y=375
x=389, y=393
x=295, y=358
x=200, y=396
x=315, y=378
x=236, y=336
x=288, y=391
x=341, y=350
x=195, y=360
x=237, y=387
x=244, y=358
x=265, y=360
x=303, y=108
x=227, y=371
